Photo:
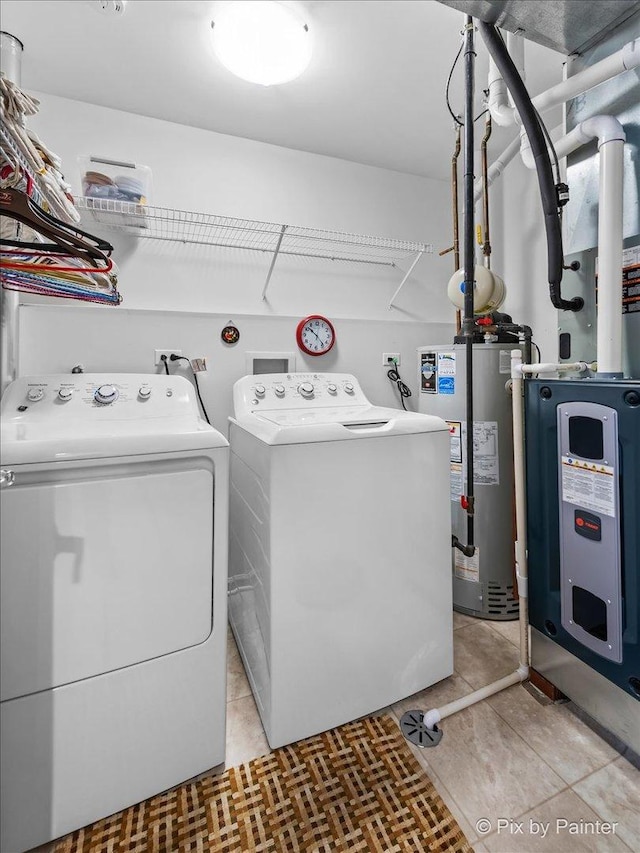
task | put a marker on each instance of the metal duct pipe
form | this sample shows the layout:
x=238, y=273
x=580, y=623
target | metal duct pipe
x=11, y=49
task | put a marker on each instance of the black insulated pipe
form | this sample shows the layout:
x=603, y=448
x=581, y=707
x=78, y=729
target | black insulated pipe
x=468, y=324
x=531, y=124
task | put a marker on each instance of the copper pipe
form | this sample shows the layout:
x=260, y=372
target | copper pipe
x=456, y=224
x=486, y=246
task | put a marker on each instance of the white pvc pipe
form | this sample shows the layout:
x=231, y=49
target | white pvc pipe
x=552, y=367
x=432, y=718
x=498, y=101
x=520, y=491
x=603, y=128
x=625, y=59
x=497, y=167
x=609, y=331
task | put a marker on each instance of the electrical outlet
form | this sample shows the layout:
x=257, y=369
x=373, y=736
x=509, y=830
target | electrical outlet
x=167, y=352
x=391, y=358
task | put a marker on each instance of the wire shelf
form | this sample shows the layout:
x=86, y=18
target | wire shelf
x=184, y=226
x=159, y=223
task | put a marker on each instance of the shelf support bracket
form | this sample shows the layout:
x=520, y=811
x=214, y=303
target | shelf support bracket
x=273, y=262
x=402, y=283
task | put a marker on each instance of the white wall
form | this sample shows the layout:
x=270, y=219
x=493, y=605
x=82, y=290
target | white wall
x=180, y=296
x=199, y=170
x=118, y=340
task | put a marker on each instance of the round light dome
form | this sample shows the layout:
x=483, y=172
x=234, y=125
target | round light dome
x=261, y=41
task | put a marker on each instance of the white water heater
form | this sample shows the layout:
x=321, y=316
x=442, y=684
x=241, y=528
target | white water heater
x=483, y=585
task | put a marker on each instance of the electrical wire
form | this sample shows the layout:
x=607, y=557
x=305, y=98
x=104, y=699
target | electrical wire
x=446, y=93
x=175, y=357
x=403, y=390
x=163, y=359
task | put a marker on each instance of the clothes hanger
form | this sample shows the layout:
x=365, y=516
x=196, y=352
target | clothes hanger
x=66, y=239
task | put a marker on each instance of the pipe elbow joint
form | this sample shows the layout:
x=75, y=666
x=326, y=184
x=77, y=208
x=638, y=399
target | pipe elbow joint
x=523, y=672
x=525, y=150
x=603, y=128
x=431, y=718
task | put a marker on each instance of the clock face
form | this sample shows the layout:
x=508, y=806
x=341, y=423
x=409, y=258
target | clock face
x=315, y=335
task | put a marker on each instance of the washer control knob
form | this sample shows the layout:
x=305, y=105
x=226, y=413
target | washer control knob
x=260, y=390
x=332, y=389
x=279, y=389
x=144, y=391
x=106, y=394
x=306, y=389
x=348, y=387
x=65, y=394
x=35, y=394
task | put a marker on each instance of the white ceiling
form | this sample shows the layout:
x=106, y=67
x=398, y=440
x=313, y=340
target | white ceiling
x=374, y=92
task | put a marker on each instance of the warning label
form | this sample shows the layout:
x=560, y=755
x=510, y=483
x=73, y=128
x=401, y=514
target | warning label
x=588, y=485
x=455, y=434
x=486, y=469
x=631, y=289
x=456, y=481
x=467, y=568
x=630, y=280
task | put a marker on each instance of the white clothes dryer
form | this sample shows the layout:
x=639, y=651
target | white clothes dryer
x=113, y=610
x=340, y=550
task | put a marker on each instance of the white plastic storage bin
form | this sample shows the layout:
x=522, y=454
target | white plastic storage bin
x=114, y=180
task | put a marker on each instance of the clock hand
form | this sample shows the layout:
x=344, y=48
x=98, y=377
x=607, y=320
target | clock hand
x=315, y=333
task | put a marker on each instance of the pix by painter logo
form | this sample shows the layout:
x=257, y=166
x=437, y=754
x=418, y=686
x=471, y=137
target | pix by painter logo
x=543, y=828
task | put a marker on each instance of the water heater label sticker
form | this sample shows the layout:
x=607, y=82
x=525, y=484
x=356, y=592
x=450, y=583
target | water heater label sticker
x=486, y=468
x=446, y=373
x=456, y=482
x=504, y=365
x=589, y=485
x=455, y=435
x=467, y=568
x=429, y=373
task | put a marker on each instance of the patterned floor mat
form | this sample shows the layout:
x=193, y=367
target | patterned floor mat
x=356, y=788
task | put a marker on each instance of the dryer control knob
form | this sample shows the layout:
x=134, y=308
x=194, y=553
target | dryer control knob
x=260, y=390
x=106, y=394
x=348, y=387
x=65, y=394
x=35, y=394
x=332, y=389
x=144, y=391
x=306, y=389
x=279, y=389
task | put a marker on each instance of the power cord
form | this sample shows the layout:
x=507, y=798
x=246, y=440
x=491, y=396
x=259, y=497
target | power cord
x=163, y=359
x=174, y=357
x=403, y=390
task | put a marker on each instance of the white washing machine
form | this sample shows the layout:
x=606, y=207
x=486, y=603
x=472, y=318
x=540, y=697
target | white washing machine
x=113, y=604
x=339, y=552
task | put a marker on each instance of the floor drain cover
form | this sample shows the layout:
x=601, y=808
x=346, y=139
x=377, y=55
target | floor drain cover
x=416, y=732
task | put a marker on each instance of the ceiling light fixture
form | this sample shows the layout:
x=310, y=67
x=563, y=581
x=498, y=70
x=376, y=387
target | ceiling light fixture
x=262, y=41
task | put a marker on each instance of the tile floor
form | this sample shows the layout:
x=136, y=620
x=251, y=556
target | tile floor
x=515, y=757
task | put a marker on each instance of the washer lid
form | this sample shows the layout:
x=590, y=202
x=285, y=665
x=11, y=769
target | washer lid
x=299, y=426
x=84, y=416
